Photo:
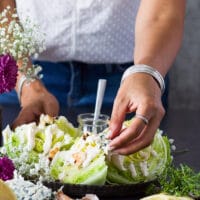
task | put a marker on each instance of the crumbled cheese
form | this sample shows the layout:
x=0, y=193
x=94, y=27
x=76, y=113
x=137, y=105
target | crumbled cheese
x=26, y=190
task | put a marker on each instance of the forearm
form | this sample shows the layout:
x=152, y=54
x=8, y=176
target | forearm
x=158, y=33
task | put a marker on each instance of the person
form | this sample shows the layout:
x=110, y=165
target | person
x=148, y=32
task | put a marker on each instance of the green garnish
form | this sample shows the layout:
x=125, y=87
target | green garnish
x=181, y=181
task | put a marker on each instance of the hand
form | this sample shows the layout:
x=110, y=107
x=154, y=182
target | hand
x=141, y=94
x=35, y=100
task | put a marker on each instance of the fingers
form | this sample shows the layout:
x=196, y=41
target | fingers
x=143, y=140
x=138, y=135
x=25, y=116
x=140, y=94
x=118, y=115
x=40, y=104
x=127, y=134
x=51, y=107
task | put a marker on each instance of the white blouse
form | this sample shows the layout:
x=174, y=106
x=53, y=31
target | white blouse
x=92, y=31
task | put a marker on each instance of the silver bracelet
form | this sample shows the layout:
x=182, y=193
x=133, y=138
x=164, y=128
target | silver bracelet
x=31, y=74
x=22, y=80
x=146, y=69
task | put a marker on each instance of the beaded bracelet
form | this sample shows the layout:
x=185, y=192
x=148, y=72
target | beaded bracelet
x=146, y=69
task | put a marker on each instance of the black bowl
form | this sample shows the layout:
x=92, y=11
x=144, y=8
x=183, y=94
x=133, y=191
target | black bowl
x=107, y=190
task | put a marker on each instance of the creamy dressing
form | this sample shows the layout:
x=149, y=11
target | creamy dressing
x=62, y=175
x=144, y=155
x=45, y=119
x=58, y=145
x=144, y=168
x=6, y=133
x=31, y=130
x=118, y=161
x=48, y=138
x=67, y=139
x=81, y=154
x=90, y=155
x=133, y=170
x=154, y=153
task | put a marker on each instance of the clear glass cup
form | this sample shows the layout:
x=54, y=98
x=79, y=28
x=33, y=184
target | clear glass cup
x=88, y=124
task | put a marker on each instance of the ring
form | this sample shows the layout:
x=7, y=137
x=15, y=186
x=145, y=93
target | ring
x=144, y=119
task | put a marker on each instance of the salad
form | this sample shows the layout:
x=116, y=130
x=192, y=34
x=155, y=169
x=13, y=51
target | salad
x=32, y=147
x=83, y=163
x=142, y=166
x=56, y=150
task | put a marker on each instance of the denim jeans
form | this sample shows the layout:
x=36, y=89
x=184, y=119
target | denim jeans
x=75, y=83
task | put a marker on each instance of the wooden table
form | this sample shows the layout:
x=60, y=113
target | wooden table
x=181, y=125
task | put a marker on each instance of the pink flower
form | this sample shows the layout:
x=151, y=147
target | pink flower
x=6, y=169
x=8, y=73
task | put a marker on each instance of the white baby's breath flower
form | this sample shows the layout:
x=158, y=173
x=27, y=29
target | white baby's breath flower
x=4, y=20
x=19, y=41
x=3, y=14
x=36, y=55
x=14, y=16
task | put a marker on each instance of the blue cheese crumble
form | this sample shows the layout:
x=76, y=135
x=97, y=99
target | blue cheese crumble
x=27, y=190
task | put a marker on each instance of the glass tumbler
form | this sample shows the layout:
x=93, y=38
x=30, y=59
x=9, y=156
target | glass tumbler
x=88, y=124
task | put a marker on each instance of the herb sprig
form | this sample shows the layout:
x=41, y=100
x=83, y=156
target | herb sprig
x=181, y=181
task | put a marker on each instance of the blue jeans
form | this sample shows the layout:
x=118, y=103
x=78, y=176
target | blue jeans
x=75, y=83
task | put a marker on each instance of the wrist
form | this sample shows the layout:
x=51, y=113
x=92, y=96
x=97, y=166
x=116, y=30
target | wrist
x=140, y=68
x=31, y=79
x=26, y=88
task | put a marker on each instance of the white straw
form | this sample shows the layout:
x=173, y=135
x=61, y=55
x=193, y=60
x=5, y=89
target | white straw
x=99, y=98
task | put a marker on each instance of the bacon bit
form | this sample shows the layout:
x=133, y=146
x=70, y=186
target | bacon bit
x=53, y=152
x=61, y=196
x=85, y=135
x=79, y=158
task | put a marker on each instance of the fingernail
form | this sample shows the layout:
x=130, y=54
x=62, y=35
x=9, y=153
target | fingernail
x=111, y=148
x=114, y=152
x=108, y=136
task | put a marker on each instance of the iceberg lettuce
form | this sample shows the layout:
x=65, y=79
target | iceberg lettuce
x=55, y=150
x=142, y=166
x=29, y=143
x=64, y=125
x=83, y=163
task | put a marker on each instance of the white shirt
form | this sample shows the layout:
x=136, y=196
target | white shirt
x=92, y=31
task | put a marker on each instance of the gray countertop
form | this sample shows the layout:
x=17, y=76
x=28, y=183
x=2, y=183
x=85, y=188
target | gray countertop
x=181, y=125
